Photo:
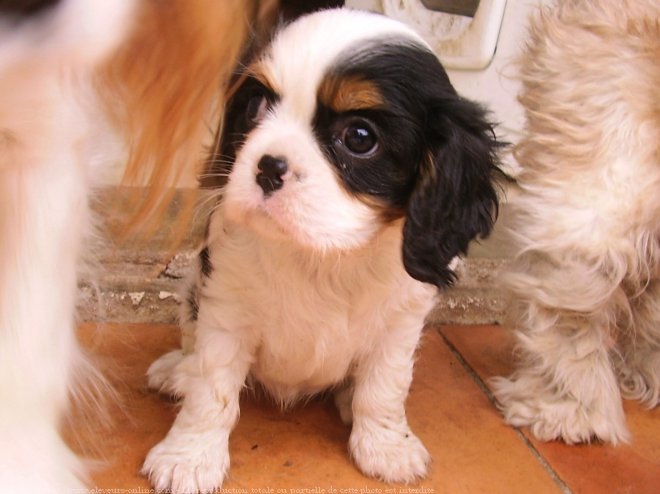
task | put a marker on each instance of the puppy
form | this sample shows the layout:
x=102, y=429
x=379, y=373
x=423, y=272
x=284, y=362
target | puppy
x=586, y=279
x=69, y=68
x=356, y=175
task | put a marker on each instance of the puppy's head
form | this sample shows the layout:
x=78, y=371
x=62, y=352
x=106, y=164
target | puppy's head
x=348, y=122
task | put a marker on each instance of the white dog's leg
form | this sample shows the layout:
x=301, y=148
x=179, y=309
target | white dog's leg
x=639, y=372
x=565, y=386
x=194, y=456
x=381, y=442
x=43, y=211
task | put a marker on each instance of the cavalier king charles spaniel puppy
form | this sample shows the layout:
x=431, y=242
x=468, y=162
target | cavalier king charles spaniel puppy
x=585, y=282
x=356, y=175
x=74, y=76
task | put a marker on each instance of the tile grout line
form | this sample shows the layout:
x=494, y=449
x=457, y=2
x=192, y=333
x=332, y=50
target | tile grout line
x=565, y=489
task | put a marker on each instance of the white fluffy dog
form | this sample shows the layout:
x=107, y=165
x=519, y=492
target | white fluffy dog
x=356, y=175
x=151, y=73
x=586, y=278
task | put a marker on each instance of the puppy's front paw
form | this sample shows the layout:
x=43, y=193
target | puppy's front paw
x=160, y=373
x=188, y=463
x=392, y=454
x=553, y=416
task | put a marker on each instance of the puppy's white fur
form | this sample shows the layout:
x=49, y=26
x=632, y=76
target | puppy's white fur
x=586, y=281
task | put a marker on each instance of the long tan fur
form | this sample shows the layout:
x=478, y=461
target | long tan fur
x=164, y=89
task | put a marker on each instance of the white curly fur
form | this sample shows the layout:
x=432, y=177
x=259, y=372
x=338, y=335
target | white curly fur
x=585, y=281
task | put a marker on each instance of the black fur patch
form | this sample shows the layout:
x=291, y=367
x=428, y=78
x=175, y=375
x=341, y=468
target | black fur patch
x=389, y=174
x=436, y=160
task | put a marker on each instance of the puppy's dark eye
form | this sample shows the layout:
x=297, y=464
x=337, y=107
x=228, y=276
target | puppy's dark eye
x=359, y=138
x=256, y=107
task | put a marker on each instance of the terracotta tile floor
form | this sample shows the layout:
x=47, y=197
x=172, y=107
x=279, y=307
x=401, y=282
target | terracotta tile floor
x=448, y=408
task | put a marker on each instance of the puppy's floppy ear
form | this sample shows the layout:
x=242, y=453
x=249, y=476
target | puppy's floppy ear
x=454, y=199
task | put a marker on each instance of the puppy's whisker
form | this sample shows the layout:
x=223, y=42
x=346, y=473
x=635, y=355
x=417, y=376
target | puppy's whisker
x=203, y=204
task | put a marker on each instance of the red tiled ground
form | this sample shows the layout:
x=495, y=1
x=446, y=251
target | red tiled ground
x=473, y=450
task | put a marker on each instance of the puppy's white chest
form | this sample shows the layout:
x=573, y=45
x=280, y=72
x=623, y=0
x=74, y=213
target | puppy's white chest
x=305, y=351
x=310, y=328
x=310, y=319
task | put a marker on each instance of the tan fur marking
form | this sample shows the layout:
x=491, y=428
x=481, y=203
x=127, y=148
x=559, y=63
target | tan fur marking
x=350, y=94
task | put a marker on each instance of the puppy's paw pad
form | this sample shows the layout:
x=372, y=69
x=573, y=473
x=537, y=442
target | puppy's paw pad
x=159, y=375
x=392, y=456
x=186, y=464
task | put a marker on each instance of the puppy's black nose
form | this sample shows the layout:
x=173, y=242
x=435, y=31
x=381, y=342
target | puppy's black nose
x=271, y=170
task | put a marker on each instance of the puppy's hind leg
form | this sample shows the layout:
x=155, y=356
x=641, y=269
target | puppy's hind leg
x=162, y=374
x=565, y=386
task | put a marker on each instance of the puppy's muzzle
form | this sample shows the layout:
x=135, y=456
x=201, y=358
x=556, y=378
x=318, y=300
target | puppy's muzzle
x=271, y=171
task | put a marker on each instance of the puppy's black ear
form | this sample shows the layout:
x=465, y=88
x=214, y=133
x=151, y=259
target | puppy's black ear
x=454, y=199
